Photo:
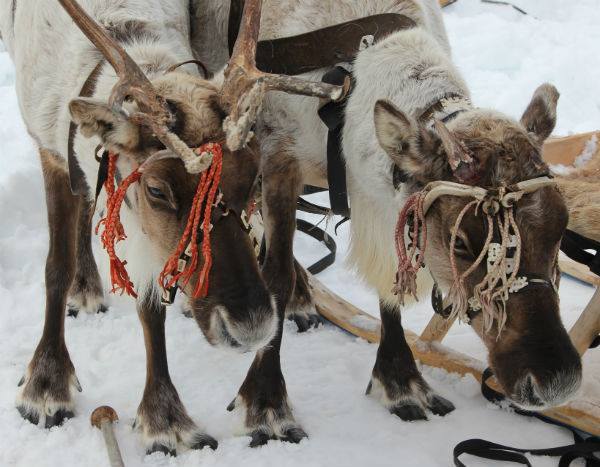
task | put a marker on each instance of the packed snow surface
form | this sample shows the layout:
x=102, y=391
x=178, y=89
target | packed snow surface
x=504, y=56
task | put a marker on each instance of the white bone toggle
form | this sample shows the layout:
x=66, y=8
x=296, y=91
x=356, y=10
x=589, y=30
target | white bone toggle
x=366, y=42
x=518, y=284
x=510, y=265
x=494, y=252
x=474, y=304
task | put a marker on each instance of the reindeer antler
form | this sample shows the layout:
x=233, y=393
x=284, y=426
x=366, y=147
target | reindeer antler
x=133, y=83
x=245, y=86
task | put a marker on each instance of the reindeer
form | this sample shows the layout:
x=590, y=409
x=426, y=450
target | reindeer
x=132, y=93
x=409, y=124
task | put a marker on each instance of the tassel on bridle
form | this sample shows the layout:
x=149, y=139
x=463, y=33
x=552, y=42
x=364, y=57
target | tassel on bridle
x=113, y=229
x=410, y=260
x=199, y=221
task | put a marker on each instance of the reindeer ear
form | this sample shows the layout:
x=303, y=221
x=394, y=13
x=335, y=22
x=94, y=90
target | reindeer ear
x=96, y=118
x=540, y=116
x=397, y=134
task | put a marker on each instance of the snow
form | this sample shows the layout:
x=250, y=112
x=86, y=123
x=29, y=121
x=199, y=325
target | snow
x=504, y=55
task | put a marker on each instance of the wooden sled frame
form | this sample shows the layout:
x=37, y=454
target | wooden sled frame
x=427, y=347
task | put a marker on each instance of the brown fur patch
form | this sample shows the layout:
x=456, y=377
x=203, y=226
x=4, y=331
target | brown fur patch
x=131, y=31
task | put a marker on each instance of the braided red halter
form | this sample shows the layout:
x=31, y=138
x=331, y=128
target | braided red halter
x=113, y=229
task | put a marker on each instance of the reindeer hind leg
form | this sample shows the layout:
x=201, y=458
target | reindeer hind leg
x=301, y=309
x=86, y=293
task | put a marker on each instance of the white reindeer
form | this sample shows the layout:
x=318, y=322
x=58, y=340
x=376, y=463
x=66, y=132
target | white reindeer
x=149, y=114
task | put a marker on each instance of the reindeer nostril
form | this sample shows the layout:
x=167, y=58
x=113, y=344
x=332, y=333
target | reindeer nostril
x=529, y=394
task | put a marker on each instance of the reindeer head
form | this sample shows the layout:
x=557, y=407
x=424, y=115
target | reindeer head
x=154, y=126
x=488, y=154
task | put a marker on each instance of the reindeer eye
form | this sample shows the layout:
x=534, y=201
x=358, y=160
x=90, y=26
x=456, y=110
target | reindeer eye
x=156, y=193
x=460, y=246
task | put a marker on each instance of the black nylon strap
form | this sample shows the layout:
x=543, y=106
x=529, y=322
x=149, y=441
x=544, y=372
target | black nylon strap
x=318, y=234
x=332, y=114
x=584, y=447
x=235, y=20
x=574, y=246
x=102, y=173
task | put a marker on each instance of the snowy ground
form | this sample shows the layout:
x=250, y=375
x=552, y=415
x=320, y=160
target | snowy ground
x=504, y=56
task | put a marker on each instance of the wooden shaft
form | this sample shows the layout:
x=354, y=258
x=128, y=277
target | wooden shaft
x=437, y=328
x=587, y=327
x=112, y=447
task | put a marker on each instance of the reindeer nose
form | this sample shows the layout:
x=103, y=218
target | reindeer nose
x=541, y=393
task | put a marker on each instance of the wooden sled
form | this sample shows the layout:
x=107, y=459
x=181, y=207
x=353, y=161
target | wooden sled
x=583, y=413
x=565, y=151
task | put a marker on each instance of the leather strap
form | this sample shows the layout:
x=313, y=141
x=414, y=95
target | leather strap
x=326, y=47
x=76, y=175
x=318, y=49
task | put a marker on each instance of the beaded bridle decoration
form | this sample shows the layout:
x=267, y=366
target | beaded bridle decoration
x=503, y=256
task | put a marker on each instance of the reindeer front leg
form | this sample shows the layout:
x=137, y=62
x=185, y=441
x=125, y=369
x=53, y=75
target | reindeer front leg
x=46, y=393
x=263, y=394
x=396, y=381
x=161, y=416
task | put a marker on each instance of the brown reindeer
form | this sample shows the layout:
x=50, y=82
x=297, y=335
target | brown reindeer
x=147, y=123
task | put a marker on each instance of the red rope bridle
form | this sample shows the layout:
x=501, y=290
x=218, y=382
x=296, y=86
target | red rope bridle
x=198, y=221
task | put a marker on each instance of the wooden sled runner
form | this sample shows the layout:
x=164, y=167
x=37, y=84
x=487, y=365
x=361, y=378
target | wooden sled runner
x=583, y=413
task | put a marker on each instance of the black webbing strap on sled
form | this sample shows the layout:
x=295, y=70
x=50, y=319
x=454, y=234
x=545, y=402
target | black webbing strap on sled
x=315, y=231
x=585, y=446
x=577, y=247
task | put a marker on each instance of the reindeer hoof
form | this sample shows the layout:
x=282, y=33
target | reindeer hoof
x=259, y=438
x=409, y=412
x=440, y=406
x=203, y=440
x=306, y=319
x=31, y=416
x=294, y=435
x=157, y=447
